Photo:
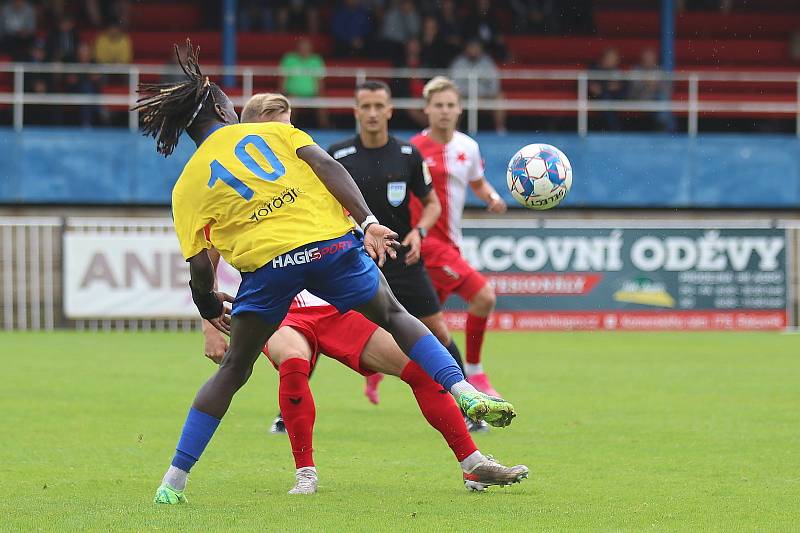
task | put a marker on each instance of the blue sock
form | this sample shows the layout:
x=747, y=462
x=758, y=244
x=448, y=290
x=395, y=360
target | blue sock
x=434, y=358
x=197, y=431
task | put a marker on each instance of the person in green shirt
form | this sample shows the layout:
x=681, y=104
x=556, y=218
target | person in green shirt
x=303, y=75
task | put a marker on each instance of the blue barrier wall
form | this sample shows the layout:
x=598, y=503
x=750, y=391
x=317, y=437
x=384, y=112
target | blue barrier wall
x=69, y=166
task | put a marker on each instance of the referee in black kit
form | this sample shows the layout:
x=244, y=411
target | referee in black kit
x=388, y=171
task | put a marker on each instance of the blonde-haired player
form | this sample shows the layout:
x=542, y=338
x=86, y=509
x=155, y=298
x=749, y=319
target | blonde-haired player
x=454, y=161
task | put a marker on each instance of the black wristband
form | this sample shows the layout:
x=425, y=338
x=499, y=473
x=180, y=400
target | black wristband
x=208, y=304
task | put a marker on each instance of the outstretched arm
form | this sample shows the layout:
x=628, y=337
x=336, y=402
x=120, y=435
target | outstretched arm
x=484, y=190
x=378, y=240
x=337, y=180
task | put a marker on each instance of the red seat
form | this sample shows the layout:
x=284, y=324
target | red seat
x=165, y=16
x=262, y=46
x=694, y=24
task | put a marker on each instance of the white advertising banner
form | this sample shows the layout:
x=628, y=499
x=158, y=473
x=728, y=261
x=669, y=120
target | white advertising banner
x=130, y=276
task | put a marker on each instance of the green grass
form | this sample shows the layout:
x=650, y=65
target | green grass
x=663, y=432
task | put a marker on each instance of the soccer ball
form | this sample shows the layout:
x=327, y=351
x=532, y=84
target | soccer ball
x=539, y=176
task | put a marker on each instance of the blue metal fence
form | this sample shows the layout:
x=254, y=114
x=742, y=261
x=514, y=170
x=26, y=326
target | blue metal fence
x=73, y=166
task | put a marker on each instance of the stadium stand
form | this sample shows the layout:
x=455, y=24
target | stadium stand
x=707, y=42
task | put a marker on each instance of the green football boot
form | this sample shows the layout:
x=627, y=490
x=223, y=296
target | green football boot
x=479, y=406
x=168, y=495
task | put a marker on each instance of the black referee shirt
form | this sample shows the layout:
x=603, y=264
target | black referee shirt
x=387, y=176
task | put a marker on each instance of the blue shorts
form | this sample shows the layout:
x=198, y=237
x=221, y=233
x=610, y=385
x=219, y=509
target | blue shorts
x=337, y=270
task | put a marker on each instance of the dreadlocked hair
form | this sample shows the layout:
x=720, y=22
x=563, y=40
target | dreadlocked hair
x=168, y=109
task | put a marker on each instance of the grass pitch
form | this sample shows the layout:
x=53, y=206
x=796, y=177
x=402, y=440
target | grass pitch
x=664, y=432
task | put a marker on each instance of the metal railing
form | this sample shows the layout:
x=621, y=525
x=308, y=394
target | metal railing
x=582, y=105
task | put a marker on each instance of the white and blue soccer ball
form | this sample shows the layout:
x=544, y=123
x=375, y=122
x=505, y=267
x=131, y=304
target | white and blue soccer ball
x=539, y=176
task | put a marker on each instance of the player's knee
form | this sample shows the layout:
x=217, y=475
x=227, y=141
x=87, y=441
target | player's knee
x=485, y=299
x=236, y=370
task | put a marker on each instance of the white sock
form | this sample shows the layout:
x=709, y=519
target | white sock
x=176, y=478
x=307, y=469
x=471, y=370
x=461, y=387
x=472, y=460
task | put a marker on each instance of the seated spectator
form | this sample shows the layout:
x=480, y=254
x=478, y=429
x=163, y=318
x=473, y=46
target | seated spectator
x=535, y=16
x=254, y=15
x=652, y=88
x=474, y=61
x=575, y=17
x=103, y=12
x=450, y=26
x=436, y=52
x=646, y=89
x=17, y=27
x=303, y=72
x=483, y=24
x=113, y=46
x=62, y=42
x=411, y=87
x=39, y=83
x=85, y=83
x=297, y=15
x=794, y=46
x=175, y=75
x=608, y=89
x=352, y=28
x=400, y=23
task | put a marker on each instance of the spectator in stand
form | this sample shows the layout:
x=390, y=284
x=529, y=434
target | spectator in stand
x=400, y=23
x=297, y=16
x=85, y=83
x=175, y=75
x=794, y=46
x=254, y=15
x=652, y=88
x=449, y=26
x=483, y=24
x=113, y=46
x=62, y=42
x=535, y=16
x=411, y=87
x=474, y=61
x=304, y=72
x=103, y=12
x=608, y=89
x=18, y=27
x=436, y=52
x=39, y=83
x=575, y=16
x=352, y=28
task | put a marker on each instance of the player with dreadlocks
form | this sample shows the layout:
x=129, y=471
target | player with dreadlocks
x=271, y=201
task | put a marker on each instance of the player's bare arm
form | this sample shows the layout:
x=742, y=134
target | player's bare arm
x=215, y=343
x=378, y=240
x=431, y=209
x=484, y=190
x=209, y=302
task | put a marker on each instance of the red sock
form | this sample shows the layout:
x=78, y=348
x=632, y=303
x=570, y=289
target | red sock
x=439, y=409
x=476, y=327
x=297, y=409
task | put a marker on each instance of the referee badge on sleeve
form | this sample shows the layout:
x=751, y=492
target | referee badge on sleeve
x=396, y=192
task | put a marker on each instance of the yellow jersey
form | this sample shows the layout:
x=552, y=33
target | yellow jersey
x=259, y=200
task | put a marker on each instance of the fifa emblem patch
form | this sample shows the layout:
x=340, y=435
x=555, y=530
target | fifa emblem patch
x=396, y=192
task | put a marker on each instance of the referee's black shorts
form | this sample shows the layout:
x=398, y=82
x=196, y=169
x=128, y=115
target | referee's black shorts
x=413, y=287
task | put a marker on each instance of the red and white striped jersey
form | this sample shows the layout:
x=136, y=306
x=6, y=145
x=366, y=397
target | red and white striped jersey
x=306, y=299
x=452, y=167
